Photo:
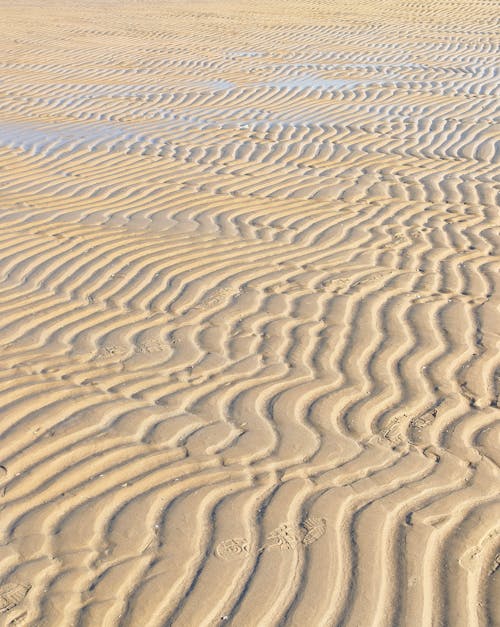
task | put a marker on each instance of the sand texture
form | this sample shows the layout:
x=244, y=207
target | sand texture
x=249, y=313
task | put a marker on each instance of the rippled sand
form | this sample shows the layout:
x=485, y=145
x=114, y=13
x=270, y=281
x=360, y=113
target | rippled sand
x=249, y=313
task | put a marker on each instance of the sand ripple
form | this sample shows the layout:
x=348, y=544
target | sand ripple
x=249, y=310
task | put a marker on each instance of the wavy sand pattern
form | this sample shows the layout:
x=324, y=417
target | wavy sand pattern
x=249, y=306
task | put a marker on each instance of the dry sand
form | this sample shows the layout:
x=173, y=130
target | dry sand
x=249, y=313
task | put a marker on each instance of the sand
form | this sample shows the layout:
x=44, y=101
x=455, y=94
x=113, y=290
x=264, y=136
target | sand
x=249, y=313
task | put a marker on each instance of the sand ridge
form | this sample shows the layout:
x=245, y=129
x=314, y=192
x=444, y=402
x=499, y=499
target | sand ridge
x=249, y=309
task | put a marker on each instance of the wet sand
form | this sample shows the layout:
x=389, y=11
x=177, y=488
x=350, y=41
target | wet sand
x=249, y=305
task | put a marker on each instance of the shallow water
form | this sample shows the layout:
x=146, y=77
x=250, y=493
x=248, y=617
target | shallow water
x=36, y=138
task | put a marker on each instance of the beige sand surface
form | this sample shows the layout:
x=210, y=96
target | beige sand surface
x=249, y=313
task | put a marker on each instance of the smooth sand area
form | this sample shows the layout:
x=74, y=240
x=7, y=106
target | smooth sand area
x=249, y=313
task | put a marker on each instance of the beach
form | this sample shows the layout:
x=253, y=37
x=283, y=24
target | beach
x=249, y=313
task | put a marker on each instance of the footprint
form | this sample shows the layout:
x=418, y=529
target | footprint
x=289, y=536
x=105, y=352
x=496, y=565
x=392, y=432
x=152, y=346
x=232, y=548
x=11, y=594
x=286, y=536
x=314, y=528
x=283, y=537
x=218, y=297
